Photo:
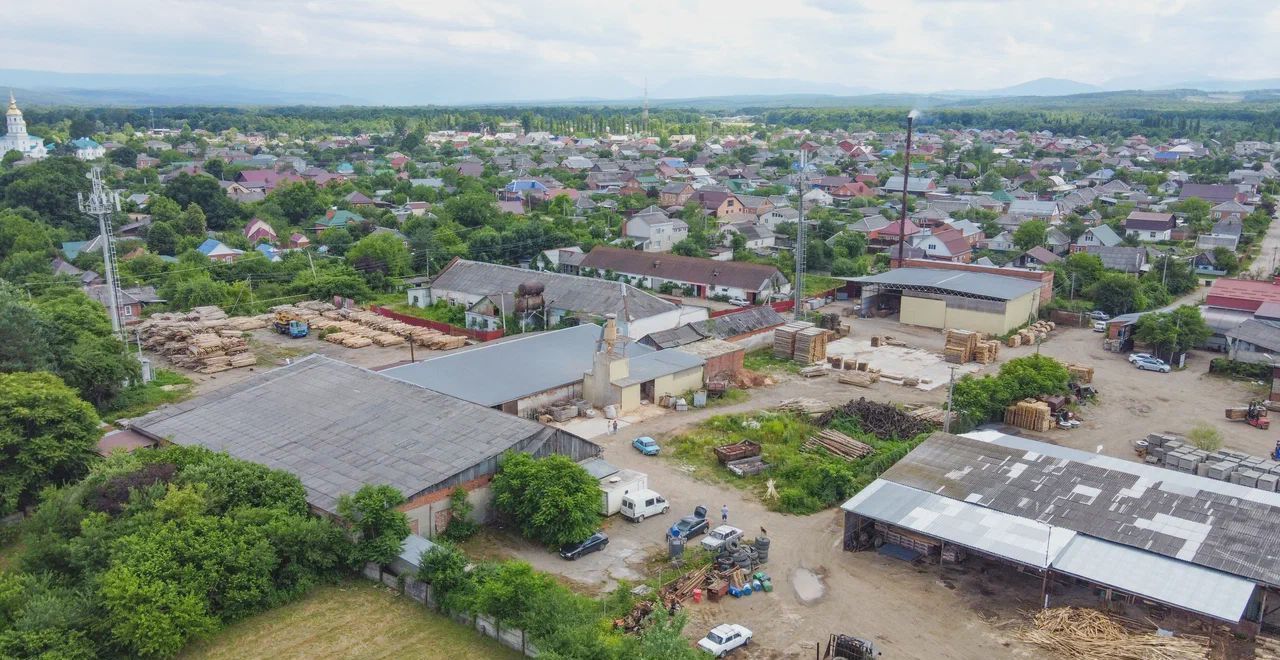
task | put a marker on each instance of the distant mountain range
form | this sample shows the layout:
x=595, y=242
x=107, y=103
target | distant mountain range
x=495, y=88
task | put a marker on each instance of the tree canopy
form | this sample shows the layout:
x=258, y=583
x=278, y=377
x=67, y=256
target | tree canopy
x=552, y=500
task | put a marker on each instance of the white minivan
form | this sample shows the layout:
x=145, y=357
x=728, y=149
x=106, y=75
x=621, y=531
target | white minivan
x=642, y=503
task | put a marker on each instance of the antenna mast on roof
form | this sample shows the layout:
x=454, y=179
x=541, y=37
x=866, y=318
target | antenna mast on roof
x=102, y=203
x=801, y=257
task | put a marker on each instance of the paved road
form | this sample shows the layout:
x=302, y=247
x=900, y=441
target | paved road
x=1269, y=253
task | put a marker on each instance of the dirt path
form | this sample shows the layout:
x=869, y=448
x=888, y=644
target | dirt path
x=1268, y=252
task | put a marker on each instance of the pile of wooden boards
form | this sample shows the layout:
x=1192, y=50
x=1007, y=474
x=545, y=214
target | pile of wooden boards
x=800, y=341
x=1031, y=334
x=205, y=339
x=1076, y=632
x=929, y=413
x=1080, y=373
x=859, y=378
x=813, y=371
x=380, y=330
x=961, y=345
x=877, y=341
x=804, y=406
x=987, y=352
x=1029, y=414
x=839, y=444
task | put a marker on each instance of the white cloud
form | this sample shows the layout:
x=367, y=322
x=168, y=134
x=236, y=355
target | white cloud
x=904, y=45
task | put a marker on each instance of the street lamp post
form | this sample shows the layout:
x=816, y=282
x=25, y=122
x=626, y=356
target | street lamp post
x=906, y=178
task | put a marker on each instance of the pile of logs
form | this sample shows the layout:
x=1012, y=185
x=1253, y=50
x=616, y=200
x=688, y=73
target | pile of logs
x=813, y=371
x=681, y=588
x=838, y=444
x=381, y=330
x=1031, y=334
x=930, y=414
x=883, y=420
x=1029, y=414
x=1075, y=632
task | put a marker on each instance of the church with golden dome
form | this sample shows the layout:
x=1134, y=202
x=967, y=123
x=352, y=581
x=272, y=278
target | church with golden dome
x=16, y=137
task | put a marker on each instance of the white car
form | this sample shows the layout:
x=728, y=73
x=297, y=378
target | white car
x=1099, y=326
x=724, y=638
x=1134, y=357
x=740, y=302
x=1152, y=365
x=720, y=536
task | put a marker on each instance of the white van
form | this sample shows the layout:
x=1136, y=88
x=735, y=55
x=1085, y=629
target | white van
x=636, y=506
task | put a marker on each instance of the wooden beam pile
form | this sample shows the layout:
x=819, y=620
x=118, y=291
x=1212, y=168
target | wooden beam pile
x=681, y=588
x=205, y=339
x=804, y=406
x=1029, y=414
x=961, y=345
x=1079, y=633
x=784, y=339
x=382, y=330
x=885, y=421
x=987, y=352
x=1080, y=373
x=930, y=414
x=813, y=371
x=859, y=378
x=839, y=444
x=811, y=345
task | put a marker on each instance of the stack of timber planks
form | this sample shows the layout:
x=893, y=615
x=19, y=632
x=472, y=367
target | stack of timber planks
x=784, y=339
x=1080, y=373
x=1029, y=414
x=205, y=339
x=811, y=345
x=961, y=345
x=987, y=352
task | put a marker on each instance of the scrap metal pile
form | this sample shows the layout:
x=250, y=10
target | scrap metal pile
x=883, y=420
x=1073, y=632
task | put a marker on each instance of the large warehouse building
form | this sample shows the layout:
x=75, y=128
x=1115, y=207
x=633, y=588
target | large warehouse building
x=1129, y=531
x=945, y=298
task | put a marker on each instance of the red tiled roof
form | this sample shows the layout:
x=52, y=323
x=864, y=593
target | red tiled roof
x=1245, y=295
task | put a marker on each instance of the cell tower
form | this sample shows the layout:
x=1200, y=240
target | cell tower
x=102, y=203
x=801, y=242
x=644, y=114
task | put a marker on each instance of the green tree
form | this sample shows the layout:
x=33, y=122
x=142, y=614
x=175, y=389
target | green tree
x=27, y=345
x=163, y=209
x=380, y=525
x=382, y=254
x=49, y=187
x=193, y=221
x=444, y=567
x=1226, y=259
x=1175, y=274
x=1175, y=331
x=338, y=239
x=162, y=239
x=22, y=231
x=47, y=436
x=204, y=191
x=844, y=267
x=124, y=156
x=1116, y=293
x=850, y=244
x=552, y=500
x=299, y=202
x=475, y=209
x=1031, y=233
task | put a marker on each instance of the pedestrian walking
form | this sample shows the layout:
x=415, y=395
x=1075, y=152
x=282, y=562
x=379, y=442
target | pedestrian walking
x=613, y=427
x=724, y=513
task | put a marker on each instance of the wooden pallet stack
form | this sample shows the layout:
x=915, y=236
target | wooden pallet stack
x=961, y=345
x=838, y=444
x=1029, y=414
x=784, y=339
x=810, y=345
x=987, y=352
x=1080, y=373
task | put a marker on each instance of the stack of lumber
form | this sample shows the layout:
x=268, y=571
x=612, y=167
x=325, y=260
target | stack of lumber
x=961, y=345
x=930, y=413
x=1080, y=373
x=1015, y=340
x=1076, y=632
x=810, y=345
x=803, y=406
x=348, y=339
x=1029, y=414
x=205, y=339
x=1035, y=332
x=839, y=444
x=987, y=352
x=813, y=371
x=784, y=339
x=885, y=421
x=859, y=378
x=381, y=330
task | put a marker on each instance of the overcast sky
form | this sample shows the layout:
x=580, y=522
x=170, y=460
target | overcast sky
x=472, y=50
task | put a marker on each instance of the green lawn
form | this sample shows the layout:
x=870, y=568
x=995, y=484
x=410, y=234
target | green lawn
x=166, y=387
x=762, y=360
x=354, y=619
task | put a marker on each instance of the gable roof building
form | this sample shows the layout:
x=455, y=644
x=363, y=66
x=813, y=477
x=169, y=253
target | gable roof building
x=348, y=427
x=708, y=277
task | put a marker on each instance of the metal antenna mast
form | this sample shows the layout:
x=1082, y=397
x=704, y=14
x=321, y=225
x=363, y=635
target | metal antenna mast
x=801, y=243
x=101, y=203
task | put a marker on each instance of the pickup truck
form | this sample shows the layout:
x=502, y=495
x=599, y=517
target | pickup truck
x=721, y=536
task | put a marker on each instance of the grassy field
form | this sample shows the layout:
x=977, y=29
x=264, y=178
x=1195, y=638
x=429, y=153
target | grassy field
x=166, y=387
x=354, y=619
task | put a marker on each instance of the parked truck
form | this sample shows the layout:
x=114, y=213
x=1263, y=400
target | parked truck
x=289, y=324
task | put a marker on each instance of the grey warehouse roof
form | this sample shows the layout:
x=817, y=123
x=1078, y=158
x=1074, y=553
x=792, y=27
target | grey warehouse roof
x=1203, y=521
x=339, y=427
x=568, y=292
x=495, y=373
x=966, y=283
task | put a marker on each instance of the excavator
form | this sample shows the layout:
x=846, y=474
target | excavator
x=288, y=324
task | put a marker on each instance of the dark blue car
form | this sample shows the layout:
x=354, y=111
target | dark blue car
x=593, y=543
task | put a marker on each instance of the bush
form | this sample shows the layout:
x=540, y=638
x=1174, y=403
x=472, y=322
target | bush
x=1235, y=369
x=381, y=526
x=552, y=500
x=460, y=527
x=1205, y=437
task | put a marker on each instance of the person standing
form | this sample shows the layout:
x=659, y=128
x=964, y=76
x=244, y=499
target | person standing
x=724, y=513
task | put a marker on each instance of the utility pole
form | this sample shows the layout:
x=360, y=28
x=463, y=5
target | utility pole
x=801, y=243
x=951, y=392
x=101, y=203
x=906, y=178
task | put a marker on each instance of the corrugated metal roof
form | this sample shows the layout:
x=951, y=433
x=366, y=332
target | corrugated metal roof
x=567, y=292
x=1178, y=583
x=739, y=274
x=339, y=427
x=1210, y=523
x=412, y=548
x=660, y=363
x=495, y=373
x=983, y=285
x=1263, y=334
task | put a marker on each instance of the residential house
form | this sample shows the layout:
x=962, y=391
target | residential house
x=676, y=193
x=258, y=231
x=819, y=197
x=1099, y=236
x=1002, y=242
x=1230, y=210
x=1056, y=241
x=1225, y=233
x=130, y=301
x=143, y=161
x=218, y=251
x=1031, y=208
x=916, y=185
x=703, y=278
x=297, y=241
x=777, y=216
x=1037, y=258
x=1210, y=192
x=654, y=231
x=758, y=237
x=358, y=199
x=337, y=218
x=1206, y=263
x=719, y=203
x=755, y=204
x=1131, y=260
x=945, y=245
x=1148, y=226
x=88, y=149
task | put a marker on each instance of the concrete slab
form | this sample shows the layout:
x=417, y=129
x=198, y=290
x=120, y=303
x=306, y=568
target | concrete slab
x=912, y=362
